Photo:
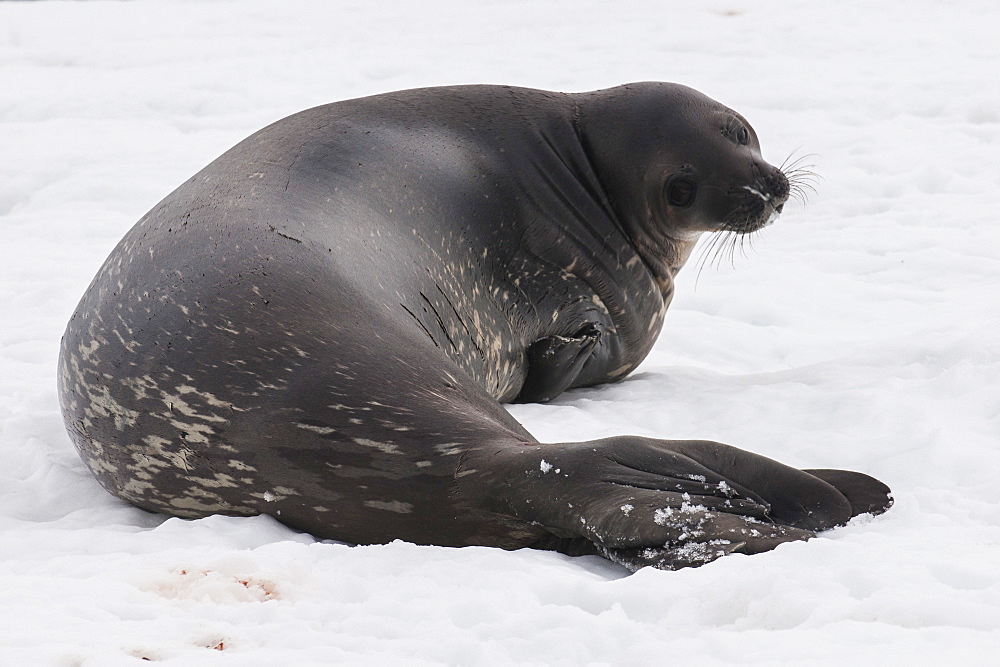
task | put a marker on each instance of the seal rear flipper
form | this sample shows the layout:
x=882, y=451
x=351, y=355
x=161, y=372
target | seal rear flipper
x=555, y=362
x=742, y=537
x=663, y=558
x=661, y=503
x=795, y=497
x=866, y=494
x=699, y=552
x=629, y=492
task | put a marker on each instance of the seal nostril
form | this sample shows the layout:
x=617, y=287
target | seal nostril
x=779, y=208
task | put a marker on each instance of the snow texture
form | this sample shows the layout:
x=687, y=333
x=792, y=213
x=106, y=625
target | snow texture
x=860, y=332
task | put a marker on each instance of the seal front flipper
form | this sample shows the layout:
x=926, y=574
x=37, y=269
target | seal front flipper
x=555, y=362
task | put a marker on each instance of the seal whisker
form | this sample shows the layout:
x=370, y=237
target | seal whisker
x=726, y=248
x=737, y=244
x=704, y=245
x=801, y=177
x=720, y=250
x=710, y=251
x=790, y=165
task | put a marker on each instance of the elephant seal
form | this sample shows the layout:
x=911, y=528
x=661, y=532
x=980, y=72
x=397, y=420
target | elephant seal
x=321, y=326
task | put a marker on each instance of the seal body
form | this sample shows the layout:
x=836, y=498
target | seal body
x=322, y=323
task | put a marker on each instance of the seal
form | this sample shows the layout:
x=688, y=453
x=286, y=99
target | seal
x=321, y=326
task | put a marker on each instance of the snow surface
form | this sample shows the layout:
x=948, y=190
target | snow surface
x=861, y=332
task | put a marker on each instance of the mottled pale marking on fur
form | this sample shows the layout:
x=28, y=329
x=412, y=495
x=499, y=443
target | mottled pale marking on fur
x=219, y=481
x=190, y=504
x=176, y=403
x=193, y=432
x=138, y=489
x=277, y=493
x=87, y=351
x=385, y=447
x=322, y=430
x=390, y=506
x=103, y=405
x=162, y=453
x=620, y=371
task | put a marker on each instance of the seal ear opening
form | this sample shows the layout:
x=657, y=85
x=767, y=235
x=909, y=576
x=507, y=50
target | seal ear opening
x=866, y=494
x=681, y=191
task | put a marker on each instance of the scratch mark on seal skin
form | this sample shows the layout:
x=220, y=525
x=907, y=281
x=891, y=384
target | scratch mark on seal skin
x=417, y=319
x=390, y=506
x=461, y=320
x=440, y=321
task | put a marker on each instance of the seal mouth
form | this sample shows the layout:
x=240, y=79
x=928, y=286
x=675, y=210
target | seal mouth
x=767, y=198
x=756, y=205
x=759, y=204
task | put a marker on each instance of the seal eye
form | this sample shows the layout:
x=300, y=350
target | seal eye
x=742, y=136
x=681, y=191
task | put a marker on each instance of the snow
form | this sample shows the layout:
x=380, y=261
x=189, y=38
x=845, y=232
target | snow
x=861, y=332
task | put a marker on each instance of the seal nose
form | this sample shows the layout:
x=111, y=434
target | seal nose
x=776, y=184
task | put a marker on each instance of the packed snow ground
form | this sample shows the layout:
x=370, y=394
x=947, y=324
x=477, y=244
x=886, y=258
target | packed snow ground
x=860, y=332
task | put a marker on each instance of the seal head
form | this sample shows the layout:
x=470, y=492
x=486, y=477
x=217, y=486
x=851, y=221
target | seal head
x=683, y=165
